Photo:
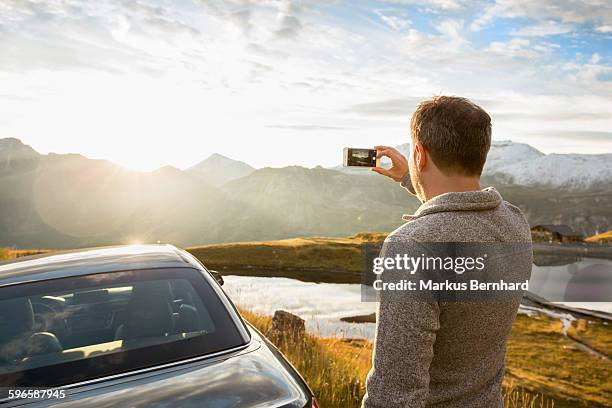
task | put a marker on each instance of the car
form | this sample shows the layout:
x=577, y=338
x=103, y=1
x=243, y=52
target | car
x=133, y=326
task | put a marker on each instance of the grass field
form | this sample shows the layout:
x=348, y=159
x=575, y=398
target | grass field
x=9, y=253
x=602, y=238
x=542, y=364
x=332, y=260
x=321, y=259
x=540, y=360
x=543, y=370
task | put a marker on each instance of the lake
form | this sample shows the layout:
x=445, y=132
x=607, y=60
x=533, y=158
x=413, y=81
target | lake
x=323, y=304
x=320, y=304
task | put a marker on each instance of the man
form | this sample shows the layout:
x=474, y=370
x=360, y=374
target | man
x=438, y=353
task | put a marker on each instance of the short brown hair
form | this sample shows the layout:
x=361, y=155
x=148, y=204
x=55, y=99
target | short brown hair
x=455, y=132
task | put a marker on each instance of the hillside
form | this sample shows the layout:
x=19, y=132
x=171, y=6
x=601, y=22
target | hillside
x=584, y=211
x=217, y=169
x=322, y=202
x=67, y=200
x=334, y=260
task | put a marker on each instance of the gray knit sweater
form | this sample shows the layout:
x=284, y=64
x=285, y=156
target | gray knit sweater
x=435, y=354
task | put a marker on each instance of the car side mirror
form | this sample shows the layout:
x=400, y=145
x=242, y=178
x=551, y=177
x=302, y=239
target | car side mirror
x=217, y=277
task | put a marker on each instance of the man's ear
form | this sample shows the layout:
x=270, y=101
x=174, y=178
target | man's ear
x=420, y=156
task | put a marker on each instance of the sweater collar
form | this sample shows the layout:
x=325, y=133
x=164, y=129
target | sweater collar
x=486, y=199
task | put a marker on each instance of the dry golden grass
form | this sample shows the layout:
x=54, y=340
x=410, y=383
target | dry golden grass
x=602, y=238
x=9, y=253
x=540, y=358
x=542, y=366
x=336, y=369
x=316, y=253
x=335, y=382
x=594, y=334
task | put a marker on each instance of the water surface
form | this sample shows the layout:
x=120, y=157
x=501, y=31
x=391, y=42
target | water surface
x=578, y=284
x=320, y=304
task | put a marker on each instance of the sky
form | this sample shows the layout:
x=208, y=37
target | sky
x=281, y=82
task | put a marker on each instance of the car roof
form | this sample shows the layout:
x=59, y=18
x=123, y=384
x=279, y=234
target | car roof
x=93, y=260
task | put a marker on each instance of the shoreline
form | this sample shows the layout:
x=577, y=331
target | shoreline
x=580, y=250
x=339, y=260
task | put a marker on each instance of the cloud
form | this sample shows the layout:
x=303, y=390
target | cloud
x=242, y=19
x=547, y=28
x=191, y=69
x=448, y=42
x=391, y=107
x=577, y=135
x=290, y=24
x=393, y=19
x=307, y=127
x=253, y=15
x=435, y=4
x=557, y=117
x=521, y=48
x=604, y=28
x=263, y=51
x=569, y=12
x=100, y=36
x=403, y=107
x=452, y=29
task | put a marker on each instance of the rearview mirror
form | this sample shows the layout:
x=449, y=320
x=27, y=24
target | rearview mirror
x=217, y=277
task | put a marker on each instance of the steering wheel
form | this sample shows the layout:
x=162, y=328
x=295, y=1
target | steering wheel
x=49, y=319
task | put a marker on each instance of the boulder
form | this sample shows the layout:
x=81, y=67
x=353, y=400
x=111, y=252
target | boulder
x=286, y=327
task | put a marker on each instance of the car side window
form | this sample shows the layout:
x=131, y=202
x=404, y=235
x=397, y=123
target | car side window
x=106, y=324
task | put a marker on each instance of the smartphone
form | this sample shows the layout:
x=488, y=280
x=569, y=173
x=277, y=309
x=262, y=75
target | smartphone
x=354, y=157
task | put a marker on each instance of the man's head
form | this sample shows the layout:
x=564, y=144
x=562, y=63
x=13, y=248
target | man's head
x=451, y=137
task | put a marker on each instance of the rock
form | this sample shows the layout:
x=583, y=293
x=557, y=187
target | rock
x=369, y=318
x=286, y=327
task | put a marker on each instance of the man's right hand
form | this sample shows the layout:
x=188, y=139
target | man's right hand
x=399, y=163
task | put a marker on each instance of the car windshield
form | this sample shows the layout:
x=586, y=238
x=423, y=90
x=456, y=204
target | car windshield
x=74, y=329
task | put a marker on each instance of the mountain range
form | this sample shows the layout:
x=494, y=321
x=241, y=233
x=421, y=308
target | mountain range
x=231, y=169
x=513, y=163
x=68, y=200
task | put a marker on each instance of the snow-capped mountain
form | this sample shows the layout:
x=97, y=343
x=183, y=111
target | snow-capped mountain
x=566, y=171
x=38, y=209
x=218, y=169
x=501, y=154
x=521, y=164
x=507, y=153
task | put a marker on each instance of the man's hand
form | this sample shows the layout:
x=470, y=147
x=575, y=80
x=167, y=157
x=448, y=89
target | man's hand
x=399, y=163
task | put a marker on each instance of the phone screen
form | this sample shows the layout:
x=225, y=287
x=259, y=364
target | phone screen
x=361, y=157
